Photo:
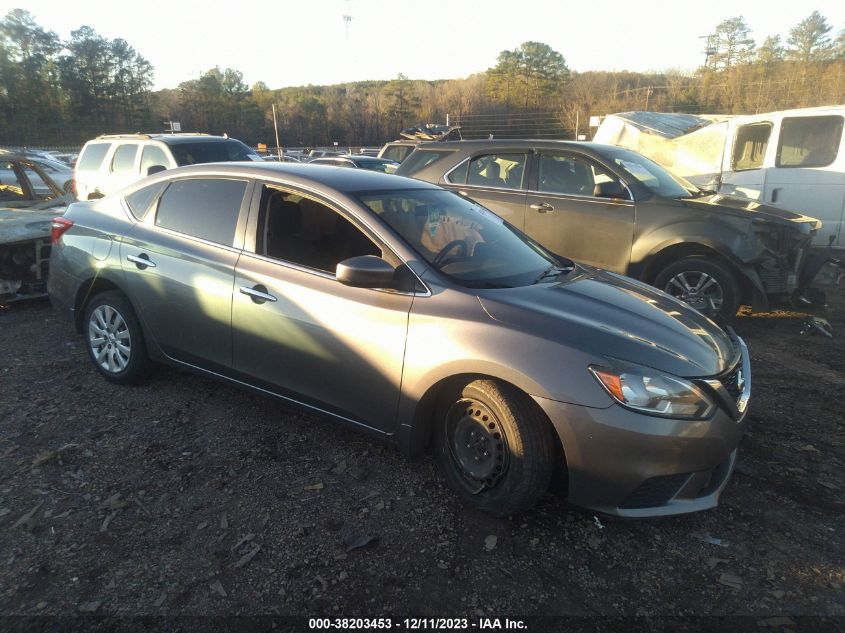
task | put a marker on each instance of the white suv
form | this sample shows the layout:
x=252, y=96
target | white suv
x=111, y=162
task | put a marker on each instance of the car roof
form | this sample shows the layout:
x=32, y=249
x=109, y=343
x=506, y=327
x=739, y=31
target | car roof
x=473, y=145
x=169, y=139
x=343, y=180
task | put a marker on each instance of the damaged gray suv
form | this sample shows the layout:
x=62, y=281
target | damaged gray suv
x=417, y=316
x=616, y=209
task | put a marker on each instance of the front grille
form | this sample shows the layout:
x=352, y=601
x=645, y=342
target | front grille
x=656, y=491
x=730, y=381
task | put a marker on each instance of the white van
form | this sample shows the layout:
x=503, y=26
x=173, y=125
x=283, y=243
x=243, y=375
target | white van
x=794, y=159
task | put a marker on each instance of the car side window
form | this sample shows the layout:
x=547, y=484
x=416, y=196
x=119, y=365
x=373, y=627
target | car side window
x=503, y=171
x=92, y=156
x=750, y=145
x=140, y=201
x=123, y=160
x=40, y=188
x=308, y=233
x=153, y=155
x=11, y=187
x=207, y=208
x=571, y=175
x=810, y=141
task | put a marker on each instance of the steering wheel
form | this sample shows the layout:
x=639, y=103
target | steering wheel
x=441, y=256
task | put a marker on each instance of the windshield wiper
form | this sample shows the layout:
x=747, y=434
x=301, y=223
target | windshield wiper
x=552, y=271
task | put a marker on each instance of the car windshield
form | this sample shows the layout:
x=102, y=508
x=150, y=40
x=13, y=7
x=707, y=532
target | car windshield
x=384, y=166
x=463, y=240
x=657, y=179
x=210, y=152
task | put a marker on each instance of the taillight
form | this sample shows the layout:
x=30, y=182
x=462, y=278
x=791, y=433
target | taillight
x=58, y=228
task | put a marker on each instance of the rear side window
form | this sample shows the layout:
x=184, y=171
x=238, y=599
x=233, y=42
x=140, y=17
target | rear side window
x=750, y=146
x=397, y=152
x=123, y=161
x=92, y=156
x=153, y=155
x=502, y=171
x=139, y=201
x=207, y=208
x=810, y=141
x=422, y=158
x=221, y=151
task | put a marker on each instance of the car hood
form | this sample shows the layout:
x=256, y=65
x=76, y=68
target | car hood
x=609, y=315
x=744, y=207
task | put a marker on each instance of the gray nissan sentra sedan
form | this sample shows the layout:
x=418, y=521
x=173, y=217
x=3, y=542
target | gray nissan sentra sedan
x=418, y=316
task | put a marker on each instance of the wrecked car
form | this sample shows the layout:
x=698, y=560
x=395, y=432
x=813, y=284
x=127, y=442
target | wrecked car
x=615, y=209
x=29, y=200
x=794, y=159
x=418, y=316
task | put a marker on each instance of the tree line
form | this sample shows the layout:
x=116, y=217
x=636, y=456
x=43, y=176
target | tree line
x=55, y=92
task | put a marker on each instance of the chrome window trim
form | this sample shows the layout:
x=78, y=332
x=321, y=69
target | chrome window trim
x=547, y=194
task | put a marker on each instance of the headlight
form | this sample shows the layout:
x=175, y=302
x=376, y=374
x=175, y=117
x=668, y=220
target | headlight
x=649, y=391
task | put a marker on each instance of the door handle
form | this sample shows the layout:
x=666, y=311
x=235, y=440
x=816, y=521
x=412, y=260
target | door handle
x=142, y=261
x=543, y=207
x=775, y=194
x=258, y=294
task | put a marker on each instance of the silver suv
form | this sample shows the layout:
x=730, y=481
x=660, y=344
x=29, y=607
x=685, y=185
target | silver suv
x=114, y=161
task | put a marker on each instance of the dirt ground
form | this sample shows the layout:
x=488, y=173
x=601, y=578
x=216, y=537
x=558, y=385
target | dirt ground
x=184, y=496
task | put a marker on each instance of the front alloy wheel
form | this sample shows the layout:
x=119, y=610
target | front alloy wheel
x=704, y=283
x=698, y=289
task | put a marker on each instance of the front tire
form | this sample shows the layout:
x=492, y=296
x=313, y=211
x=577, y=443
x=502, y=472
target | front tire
x=494, y=446
x=704, y=283
x=114, y=339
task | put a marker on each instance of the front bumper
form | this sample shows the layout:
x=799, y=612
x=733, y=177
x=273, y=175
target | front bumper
x=627, y=464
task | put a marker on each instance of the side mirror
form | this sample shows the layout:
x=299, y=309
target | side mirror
x=610, y=189
x=154, y=169
x=365, y=271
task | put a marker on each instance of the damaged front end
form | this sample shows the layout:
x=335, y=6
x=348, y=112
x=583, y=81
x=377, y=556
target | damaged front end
x=786, y=266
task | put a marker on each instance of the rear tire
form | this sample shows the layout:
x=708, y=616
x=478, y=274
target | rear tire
x=114, y=339
x=702, y=282
x=494, y=446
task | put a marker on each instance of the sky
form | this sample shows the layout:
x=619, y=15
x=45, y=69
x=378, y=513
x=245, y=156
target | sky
x=300, y=42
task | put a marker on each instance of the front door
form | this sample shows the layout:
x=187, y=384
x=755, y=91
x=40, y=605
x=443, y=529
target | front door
x=563, y=214
x=302, y=333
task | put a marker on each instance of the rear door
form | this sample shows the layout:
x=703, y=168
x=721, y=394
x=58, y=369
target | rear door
x=563, y=214
x=299, y=331
x=494, y=180
x=179, y=265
